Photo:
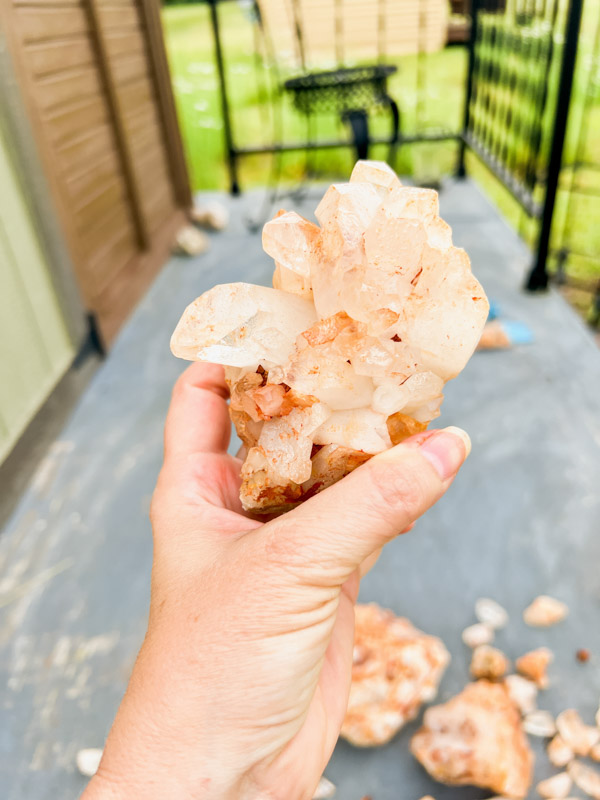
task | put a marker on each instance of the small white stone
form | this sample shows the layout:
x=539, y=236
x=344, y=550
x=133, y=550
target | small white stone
x=559, y=752
x=522, y=692
x=478, y=634
x=545, y=611
x=88, y=761
x=579, y=736
x=586, y=778
x=555, y=787
x=539, y=723
x=491, y=613
x=324, y=790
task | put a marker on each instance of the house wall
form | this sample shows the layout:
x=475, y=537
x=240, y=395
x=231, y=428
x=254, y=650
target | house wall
x=35, y=345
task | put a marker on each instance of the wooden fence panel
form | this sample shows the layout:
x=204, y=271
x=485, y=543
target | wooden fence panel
x=89, y=69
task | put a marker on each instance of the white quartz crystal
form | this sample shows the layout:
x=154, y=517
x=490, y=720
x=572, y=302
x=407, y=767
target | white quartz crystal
x=373, y=310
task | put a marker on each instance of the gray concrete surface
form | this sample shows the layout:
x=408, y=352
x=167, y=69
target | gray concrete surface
x=522, y=518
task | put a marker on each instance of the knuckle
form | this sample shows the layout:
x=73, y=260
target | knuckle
x=400, y=489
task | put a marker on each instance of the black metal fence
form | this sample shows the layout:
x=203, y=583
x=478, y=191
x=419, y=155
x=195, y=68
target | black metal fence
x=531, y=106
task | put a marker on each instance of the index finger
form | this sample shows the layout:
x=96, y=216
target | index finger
x=198, y=418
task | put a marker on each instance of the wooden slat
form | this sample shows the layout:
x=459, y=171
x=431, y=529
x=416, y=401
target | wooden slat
x=88, y=214
x=66, y=123
x=158, y=206
x=44, y=3
x=115, y=219
x=76, y=155
x=139, y=120
x=109, y=260
x=131, y=68
x=42, y=24
x=97, y=174
x=136, y=95
x=118, y=18
x=123, y=42
x=113, y=305
x=68, y=86
x=51, y=57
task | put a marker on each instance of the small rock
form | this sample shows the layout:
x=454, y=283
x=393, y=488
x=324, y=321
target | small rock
x=88, y=761
x=555, y=787
x=533, y=665
x=489, y=662
x=324, y=790
x=522, y=692
x=211, y=215
x=491, y=613
x=545, y=611
x=559, y=752
x=586, y=778
x=189, y=241
x=582, y=655
x=478, y=634
x=539, y=723
x=579, y=736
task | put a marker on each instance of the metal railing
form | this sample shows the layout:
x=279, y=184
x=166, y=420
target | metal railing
x=522, y=64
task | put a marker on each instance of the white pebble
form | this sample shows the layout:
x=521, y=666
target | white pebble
x=555, y=787
x=539, y=723
x=324, y=790
x=88, y=761
x=478, y=634
x=491, y=613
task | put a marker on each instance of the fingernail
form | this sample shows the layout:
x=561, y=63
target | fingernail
x=444, y=453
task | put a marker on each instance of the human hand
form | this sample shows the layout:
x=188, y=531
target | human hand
x=242, y=682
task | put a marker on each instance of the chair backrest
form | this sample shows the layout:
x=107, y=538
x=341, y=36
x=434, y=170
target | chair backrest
x=309, y=34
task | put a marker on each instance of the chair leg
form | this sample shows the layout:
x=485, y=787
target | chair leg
x=395, y=112
x=359, y=123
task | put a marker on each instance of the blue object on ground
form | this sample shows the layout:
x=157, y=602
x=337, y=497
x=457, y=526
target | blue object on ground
x=495, y=310
x=517, y=332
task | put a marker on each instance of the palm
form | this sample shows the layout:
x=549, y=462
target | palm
x=210, y=494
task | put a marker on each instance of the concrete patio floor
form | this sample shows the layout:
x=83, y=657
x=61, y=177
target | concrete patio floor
x=522, y=519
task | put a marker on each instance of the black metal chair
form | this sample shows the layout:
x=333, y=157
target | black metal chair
x=350, y=92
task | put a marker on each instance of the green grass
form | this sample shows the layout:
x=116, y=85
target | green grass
x=438, y=106
x=190, y=49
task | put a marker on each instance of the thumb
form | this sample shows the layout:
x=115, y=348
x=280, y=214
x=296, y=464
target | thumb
x=335, y=531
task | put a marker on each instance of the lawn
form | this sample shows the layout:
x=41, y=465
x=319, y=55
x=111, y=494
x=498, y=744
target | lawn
x=430, y=93
x=190, y=49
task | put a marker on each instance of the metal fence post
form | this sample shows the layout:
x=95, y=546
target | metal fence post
x=538, y=277
x=475, y=7
x=231, y=153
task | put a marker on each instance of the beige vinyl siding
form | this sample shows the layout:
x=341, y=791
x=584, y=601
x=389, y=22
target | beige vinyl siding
x=35, y=348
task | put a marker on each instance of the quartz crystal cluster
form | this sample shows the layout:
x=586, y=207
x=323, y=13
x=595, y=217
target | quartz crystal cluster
x=372, y=311
x=395, y=669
